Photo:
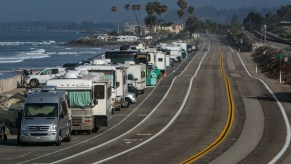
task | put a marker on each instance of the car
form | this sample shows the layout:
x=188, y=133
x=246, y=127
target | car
x=34, y=80
x=130, y=98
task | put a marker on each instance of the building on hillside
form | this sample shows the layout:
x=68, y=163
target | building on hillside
x=126, y=38
x=170, y=29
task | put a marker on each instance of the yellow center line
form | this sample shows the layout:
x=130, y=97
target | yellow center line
x=228, y=123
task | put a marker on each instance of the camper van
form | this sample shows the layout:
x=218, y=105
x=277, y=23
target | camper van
x=89, y=98
x=46, y=117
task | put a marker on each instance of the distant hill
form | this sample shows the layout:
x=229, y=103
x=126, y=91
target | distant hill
x=222, y=16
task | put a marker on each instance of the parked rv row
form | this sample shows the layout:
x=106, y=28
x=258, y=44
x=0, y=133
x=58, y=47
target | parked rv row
x=83, y=98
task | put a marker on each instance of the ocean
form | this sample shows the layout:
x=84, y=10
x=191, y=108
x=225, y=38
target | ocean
x=39, y=50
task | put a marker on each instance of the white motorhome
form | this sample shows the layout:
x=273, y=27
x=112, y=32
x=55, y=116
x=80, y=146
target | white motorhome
x=183, y=45
x=161, y=61
x=89, y=98
x=136, y=76
x=117, y=73
x=174, y=51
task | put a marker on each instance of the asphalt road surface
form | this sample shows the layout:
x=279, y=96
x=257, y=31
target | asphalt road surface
x=209, y=110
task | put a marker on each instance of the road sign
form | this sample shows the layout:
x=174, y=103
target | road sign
x=280, y=56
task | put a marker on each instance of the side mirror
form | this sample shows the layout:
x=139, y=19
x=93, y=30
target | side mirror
x=136, y=79
x=95, y=101
x=117, y=84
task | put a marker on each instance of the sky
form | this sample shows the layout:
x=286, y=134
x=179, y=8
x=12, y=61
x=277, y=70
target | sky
x=100, y=10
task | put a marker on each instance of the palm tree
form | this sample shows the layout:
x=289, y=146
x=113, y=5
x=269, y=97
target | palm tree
x=190, y=10
x=113, y=9
x=150, y=9
x=138, y=7
x=182, y=5
x=181, y=16
x=127, y=6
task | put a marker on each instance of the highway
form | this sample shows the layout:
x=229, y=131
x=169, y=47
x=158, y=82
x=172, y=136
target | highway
x=211, y=109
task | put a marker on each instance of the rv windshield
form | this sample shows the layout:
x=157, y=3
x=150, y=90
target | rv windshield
x=79, y=99
x=41, y=110
x=120, y=56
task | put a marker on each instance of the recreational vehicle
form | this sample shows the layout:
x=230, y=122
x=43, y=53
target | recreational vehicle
x=115, y=72
x=46, y=117
x=89, y=98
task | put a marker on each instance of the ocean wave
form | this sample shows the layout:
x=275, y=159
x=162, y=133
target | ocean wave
x=10, y=43
x=66, y=53
x=17, y=43
x=89, y=52
x=35, y=54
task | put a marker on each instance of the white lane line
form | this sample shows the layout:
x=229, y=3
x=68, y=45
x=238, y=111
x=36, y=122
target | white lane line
x=111, y=127
x=288, y=132
x=171, y=121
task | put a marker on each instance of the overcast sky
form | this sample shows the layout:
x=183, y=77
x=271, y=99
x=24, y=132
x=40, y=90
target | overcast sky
x=100, y=10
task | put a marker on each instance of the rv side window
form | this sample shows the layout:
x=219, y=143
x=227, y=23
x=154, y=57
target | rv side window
x=160, y=59
x=109, y=92
x=64, y=107
x=79, y=99
x=143, y=74
x=99, y=92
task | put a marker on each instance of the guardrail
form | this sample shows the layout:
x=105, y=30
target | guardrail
x=270, y=37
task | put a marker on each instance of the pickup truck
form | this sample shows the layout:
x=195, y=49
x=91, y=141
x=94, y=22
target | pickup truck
x=34, y=80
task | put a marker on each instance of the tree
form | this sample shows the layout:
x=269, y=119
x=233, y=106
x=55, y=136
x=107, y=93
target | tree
x=182, y=5
x=234, y=25
x=285, y=13
x=181, y=15
x=127, y=7
x=113, y=9
x=190, y=10
x=254, y=21
x=192, y=24
x=154, y=10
